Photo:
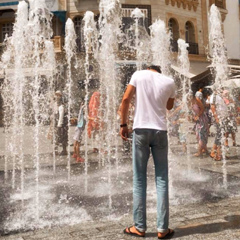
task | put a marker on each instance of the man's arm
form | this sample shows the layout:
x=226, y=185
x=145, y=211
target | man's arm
x=127, y=97
x=170, y=103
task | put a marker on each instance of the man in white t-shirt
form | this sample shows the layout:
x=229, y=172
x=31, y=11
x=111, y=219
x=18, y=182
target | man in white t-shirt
x=155, y=94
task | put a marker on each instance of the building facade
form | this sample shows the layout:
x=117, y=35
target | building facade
x=187, y=19
x=232, y=29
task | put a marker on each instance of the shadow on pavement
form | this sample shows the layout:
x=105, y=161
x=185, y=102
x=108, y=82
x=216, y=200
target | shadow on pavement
x=233, y=222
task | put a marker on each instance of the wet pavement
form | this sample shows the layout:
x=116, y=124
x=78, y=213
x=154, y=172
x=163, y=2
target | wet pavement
x=97, y=204
x=212, y=220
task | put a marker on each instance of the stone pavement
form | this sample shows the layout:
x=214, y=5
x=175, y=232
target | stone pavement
x=214, y=220
x=201, y=206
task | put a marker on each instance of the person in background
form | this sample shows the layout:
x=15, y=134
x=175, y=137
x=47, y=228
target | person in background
x=219, y=111
x=78, y=134
x=207, y=106
x=230, y=123
x=199, y=94
x=61, y=124
x=94, y=116
x=201, y=127
x=154, y=94
x=175, y=118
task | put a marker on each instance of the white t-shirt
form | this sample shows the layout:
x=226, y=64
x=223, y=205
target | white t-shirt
x=152, y=93
x=221, y=107
x=199, y=95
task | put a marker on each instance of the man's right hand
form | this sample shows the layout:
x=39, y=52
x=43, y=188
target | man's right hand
x=124, y=133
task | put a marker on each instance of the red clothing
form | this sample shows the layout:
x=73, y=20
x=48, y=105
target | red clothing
x=93, y=112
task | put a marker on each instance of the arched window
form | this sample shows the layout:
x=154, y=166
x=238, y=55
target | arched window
x=79, y=32
x=191, y=38
x=174, y=29
x=189, y=32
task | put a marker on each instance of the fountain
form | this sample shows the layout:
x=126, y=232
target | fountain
x=90, y=37
x=23, y=81
x=43, y=192
x=70, y=49
x=160, y=45
x=109, y=22
x=137, y=15
x=184, y=64
x=219, y=68
x=17, y=90
x=218, y=51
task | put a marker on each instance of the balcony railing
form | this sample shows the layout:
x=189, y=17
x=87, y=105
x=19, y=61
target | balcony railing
x=193, y=48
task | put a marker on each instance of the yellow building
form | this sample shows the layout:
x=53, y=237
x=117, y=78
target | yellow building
x=187, y=19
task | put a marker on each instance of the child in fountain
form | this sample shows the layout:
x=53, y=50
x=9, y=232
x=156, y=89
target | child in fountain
x=94, y=123
x=201, y=119
x=78, y=134
x=61, y=124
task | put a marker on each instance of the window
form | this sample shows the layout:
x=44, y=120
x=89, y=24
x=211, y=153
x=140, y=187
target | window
x=174, y=29
x=7, y=30
x=128, y=21
x=190, y=38
x=129, y=26
x=189, y=32
x=79, y=32
x=57, y=26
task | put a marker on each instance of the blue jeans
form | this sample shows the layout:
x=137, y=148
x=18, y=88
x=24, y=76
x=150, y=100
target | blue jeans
x=157, y=141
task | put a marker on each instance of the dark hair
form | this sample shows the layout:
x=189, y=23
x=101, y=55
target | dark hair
x=156, y=68
x=201, y=86
x=207, y=92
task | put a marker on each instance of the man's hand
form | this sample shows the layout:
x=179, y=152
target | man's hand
x=124, y=133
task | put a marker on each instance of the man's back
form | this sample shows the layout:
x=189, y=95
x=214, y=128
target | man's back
x=152, y=93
